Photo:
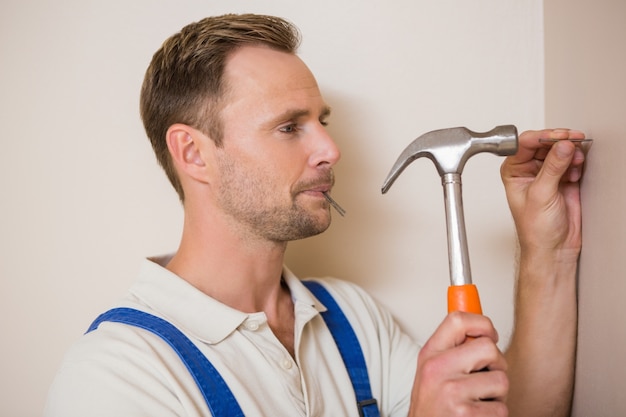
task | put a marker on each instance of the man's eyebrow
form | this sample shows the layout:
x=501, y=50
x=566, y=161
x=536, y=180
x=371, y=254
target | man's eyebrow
x=294, y=114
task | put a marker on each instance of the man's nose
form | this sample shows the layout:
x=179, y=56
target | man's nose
x=326, y=150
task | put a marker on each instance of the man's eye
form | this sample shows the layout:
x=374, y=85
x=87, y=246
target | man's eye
x=289, y=128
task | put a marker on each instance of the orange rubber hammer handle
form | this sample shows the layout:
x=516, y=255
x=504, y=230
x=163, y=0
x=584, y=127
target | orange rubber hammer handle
x=464, y=298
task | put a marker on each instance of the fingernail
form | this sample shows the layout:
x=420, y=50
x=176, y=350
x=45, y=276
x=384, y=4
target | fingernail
x=563, y=150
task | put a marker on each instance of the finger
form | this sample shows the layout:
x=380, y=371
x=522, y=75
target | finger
x=528, y=144
x=491, y=385
x=529, y=157
x=557, y=163
x=479, y=408
x=485, y=354
x=563, y=134
x=478, y=354
x=576, y=166
x=485, y=408
x=474, y=357
x=531, y=149
x=457, y=327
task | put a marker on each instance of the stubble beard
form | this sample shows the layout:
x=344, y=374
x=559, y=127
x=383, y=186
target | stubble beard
x=244, y=198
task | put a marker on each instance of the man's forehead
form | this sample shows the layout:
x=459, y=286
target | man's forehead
x=260, y=77
x=263, y=66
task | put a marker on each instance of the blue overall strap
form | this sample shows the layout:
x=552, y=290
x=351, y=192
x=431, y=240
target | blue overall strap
x=349, y=348
x=217, y=395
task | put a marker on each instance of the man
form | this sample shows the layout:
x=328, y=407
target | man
x=238, y=123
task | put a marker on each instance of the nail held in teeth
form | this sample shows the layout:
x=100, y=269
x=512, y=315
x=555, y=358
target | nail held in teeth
x=333, y=203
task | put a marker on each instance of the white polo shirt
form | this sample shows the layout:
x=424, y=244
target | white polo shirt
x=121, y=370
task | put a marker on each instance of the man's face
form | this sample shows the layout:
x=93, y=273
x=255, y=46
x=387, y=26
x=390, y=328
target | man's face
x=276, y=159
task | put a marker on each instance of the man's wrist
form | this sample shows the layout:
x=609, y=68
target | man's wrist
x=545, y=269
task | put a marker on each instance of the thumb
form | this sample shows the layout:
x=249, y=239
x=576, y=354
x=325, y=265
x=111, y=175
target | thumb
x=557, y=162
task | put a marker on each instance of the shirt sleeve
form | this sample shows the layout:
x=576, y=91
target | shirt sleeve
x=108, y=374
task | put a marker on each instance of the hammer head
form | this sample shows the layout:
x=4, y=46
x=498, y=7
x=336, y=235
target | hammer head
x=449, y=149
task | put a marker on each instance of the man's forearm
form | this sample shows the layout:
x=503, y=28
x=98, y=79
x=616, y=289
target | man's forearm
x=542, y=352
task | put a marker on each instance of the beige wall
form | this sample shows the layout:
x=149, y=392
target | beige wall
x=83, y=200
x=586, y=87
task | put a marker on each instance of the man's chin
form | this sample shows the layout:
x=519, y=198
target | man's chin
x=313, y=227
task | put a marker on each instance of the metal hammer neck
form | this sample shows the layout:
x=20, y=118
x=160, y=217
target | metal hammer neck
x=455, y=223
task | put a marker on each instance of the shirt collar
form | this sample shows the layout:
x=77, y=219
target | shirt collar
x=204, y=317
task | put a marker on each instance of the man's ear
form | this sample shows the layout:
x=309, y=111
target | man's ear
x=185, y=146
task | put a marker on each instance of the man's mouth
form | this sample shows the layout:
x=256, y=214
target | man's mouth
x=323, y=188
x=324, y=191
x=319, y=189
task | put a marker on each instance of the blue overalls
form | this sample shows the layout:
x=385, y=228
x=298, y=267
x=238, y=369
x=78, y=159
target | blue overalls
x=218, y=396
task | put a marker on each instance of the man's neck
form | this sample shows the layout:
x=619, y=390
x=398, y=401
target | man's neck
x=240, y=273
x=236, y=270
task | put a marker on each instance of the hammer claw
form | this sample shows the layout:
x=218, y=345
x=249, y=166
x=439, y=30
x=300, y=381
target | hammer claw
x=449, y=149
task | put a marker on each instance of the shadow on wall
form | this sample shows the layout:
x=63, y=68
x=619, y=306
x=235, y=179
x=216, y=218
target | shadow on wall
x=353, y=246
x=366, y=245
x=395, y=245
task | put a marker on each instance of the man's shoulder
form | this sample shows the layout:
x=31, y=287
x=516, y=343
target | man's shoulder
x=111, y=344
x=115, y=367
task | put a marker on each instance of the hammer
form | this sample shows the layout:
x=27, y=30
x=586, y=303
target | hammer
x=449, y=149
